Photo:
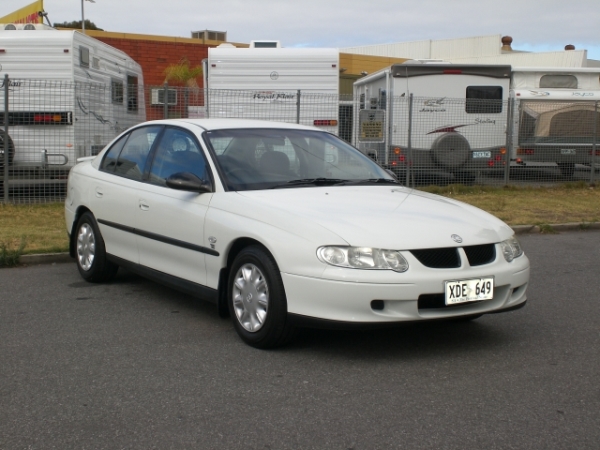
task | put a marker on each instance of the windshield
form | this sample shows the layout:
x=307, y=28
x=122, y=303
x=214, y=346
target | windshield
x=251, y=159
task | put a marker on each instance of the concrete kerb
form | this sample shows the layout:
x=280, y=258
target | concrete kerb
x=55, y=258
x=557, y=228
x=45, y=258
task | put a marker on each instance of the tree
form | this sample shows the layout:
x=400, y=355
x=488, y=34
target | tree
x=186, y=75
x=76, y=24
x=183, y=73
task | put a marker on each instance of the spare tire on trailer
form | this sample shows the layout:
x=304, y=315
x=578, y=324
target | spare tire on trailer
x=11, y=149
x=451, y=151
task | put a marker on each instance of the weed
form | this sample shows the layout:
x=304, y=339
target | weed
x=9, y=257
x=546, y=229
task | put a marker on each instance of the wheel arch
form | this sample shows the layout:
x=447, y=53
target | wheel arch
x=81, y=210
x=236, y=247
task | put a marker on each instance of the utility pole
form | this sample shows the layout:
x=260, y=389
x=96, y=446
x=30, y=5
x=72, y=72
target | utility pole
x=83, y=15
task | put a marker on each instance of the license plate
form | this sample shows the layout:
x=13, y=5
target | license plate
x=567, y=151
x=463, y=291
x=482, y=155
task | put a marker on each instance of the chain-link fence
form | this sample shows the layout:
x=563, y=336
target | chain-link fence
x=50, y=124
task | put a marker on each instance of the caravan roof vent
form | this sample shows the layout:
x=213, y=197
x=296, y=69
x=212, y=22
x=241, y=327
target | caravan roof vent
x=10, y=26
x=29, y=26
x=265, y=44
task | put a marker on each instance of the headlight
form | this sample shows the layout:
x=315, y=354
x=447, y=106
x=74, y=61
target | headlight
x=511, y=249
x=363, y=258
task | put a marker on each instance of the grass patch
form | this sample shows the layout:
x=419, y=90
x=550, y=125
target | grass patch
x=571, y=202
x=42, y=226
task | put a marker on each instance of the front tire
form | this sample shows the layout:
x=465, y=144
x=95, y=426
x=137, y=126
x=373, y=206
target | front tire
x=257, y=301
x=90, y=251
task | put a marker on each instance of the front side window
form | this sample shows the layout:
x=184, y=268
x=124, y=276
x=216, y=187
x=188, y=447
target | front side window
x=132, y=160
x=177, y=151
x=483, y=100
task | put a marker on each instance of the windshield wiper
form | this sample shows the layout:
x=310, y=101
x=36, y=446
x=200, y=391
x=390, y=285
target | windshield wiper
x=373, y=180
x=311, y=182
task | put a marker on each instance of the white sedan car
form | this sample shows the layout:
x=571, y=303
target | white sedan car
x=285, y=226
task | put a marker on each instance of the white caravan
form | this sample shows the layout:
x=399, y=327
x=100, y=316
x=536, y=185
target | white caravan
x=266, y=81
x=69, y=94
x=431, y=115
x=556, y=116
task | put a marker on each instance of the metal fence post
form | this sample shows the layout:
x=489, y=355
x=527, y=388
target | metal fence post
x=509, y=140
x=298, y=107
x=166, y=101
x=594, y=142
x=6, y=142
x=409, y=142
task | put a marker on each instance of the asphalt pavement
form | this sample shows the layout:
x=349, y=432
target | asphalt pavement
x=134, y=365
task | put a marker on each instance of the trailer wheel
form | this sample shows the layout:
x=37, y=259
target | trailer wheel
x=11, y=149
x=451, y=150
x=567, y=170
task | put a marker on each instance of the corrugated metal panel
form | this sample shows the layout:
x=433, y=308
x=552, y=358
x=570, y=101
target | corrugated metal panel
x=466, y=47
x=412, y=50
x=430, y=49
x=572, y=58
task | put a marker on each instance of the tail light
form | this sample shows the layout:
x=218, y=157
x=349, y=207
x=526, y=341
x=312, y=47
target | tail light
x=325, y=123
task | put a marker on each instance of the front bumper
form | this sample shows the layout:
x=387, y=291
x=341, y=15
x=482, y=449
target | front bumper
x=353, y=302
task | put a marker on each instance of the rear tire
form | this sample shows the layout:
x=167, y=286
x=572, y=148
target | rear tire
x=90, y=251
x=567, y=170
x=11, y=149
x=257, y=301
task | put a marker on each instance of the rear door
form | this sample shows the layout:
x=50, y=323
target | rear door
x=114, y=197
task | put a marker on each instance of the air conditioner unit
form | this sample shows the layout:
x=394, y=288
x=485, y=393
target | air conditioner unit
x=158, y=96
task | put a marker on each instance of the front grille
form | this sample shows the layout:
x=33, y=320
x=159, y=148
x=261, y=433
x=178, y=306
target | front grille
x=438, y=258
x=479, y=255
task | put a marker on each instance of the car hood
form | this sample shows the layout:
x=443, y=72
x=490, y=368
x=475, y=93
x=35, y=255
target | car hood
x=382, y=216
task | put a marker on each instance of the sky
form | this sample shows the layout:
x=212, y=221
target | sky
x=535, y=25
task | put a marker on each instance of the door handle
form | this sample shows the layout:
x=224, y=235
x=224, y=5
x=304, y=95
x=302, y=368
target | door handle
x=144, y=206
x=99, y=193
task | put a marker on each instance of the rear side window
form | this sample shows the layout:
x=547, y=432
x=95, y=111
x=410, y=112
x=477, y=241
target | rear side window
x=484, y=100
x=110, y=158
x=132, y=160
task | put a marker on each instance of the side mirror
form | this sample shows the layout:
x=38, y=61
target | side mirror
x=186, y=181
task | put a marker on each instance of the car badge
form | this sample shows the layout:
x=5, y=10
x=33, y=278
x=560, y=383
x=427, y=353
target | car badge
x=212, y=240
x=456, y=238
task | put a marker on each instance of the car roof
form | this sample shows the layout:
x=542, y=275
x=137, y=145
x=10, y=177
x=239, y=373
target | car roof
x=224, y=124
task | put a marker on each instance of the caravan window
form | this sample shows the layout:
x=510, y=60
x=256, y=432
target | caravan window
x=484, y=100
x=117, y=91
x=132, y=93
x=558, y=81
x=84, y=56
